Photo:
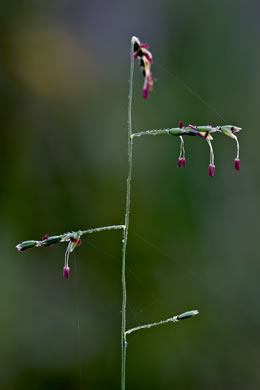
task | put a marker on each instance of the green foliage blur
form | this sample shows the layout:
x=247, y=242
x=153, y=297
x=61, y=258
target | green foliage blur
x=193, y=240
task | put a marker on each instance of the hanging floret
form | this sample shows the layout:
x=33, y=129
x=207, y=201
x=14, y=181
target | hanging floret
x=145, y=59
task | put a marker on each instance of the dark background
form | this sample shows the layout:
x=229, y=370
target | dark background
x=193, y=240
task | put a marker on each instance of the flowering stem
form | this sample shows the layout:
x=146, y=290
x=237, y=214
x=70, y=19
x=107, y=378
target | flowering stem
x=177, y=318
x=145, y=61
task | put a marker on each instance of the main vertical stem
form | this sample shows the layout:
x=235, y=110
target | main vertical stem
x=125, y=232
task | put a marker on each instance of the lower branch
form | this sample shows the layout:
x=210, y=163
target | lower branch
x=72, y=236
x=177, y=318
x=73, y=239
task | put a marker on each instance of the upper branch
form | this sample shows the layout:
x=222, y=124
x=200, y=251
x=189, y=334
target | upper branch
x=202, y=131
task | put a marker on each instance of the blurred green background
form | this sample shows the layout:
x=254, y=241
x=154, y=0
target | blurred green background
x=193, y=240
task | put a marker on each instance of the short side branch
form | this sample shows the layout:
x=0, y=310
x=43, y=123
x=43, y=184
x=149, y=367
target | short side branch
x=177, y=318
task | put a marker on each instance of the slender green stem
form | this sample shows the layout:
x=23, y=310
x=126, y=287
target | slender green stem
x=177, y=318
x=125, y=232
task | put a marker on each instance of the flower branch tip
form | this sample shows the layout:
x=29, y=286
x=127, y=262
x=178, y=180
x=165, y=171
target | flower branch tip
x=22, y=246
x=187, y=314
x=145, y=59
